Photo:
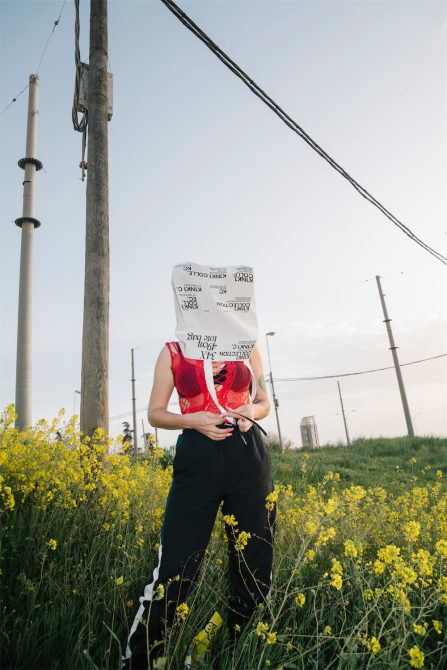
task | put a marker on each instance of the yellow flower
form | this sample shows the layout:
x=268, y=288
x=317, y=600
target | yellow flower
x=412, y=530
x=337, y=567
x=416, y=657
x=52, y=544
x=327, y=630
x=129, y=603
x=437, y=625
x=389, y=554
x=350, y=548
x=261, y=629
x=289, y=646
x=271, y=500
x=119, y=580
x=337, y=581
x=311, y=527
x=326, y=535
x=182, y=611
x=441, y=547
x=159, y=592
x=230, y=520
x=379, y=567
x=420, y=629
x=439, y=473
x=309, y=555
x=372, y=643
x=242, y=540
x=271, y=638
x=330, y=506
x=300, y=599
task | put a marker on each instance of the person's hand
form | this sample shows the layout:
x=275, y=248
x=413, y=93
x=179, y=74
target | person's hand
x=248, y=411
x=207, y=423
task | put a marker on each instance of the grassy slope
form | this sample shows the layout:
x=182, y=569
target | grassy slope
x=370, y=462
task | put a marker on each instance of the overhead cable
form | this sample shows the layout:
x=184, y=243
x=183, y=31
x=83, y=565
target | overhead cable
x=55, y=25
x=226, y=60
x=302, y=379
x=352, y=374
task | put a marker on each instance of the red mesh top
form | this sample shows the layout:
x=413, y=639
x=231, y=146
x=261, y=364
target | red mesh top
x=231, y=380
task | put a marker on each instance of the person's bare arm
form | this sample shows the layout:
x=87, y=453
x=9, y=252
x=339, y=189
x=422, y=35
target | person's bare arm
x=260, y=407
x=159, y=416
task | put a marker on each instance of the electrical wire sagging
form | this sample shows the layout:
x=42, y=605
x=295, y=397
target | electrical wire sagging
x=231, y=65
x=352, y=374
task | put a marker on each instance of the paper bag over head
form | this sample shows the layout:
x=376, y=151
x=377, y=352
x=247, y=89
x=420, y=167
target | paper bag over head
x=216, y=311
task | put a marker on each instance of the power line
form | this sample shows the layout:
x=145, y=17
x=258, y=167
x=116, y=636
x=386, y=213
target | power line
x=351, y=374
x=304, y=379
x=138, y=411
x=55, y=24
x=231, y=65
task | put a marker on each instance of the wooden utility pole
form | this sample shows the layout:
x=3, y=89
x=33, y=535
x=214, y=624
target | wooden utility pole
x=95, y=334
x=393, y=348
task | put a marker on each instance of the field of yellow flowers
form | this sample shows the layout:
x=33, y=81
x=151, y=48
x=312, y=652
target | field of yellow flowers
x=359, y=577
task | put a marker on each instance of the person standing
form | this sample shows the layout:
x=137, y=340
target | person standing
x=220, y=456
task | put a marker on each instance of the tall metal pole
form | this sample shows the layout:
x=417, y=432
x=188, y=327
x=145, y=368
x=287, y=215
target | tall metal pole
x=95, y=334
x=393, y=348
x=27, y=222
x=275, y=400
x=134, y=409
x=344, y=415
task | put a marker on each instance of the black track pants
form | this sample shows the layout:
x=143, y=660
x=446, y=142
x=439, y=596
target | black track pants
x=205, y=473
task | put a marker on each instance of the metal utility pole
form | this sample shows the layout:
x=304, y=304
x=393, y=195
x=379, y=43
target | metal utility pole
x=275, y=400
x=134, y=409
x=393, y=348
x=95, y=334
x=344, y=415
x=27, y=222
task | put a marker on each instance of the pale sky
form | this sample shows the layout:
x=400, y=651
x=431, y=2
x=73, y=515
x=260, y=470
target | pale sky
x=201, y=170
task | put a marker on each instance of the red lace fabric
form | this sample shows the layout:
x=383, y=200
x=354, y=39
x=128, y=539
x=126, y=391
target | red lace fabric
x=232, y=381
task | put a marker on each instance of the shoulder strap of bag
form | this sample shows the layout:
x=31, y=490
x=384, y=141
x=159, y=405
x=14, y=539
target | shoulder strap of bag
x=209, y=379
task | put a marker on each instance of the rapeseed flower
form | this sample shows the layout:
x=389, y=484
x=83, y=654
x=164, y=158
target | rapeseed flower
x=437, y=625
x=300, y=599
x=182, y=611
x=416, y=657
x=271, y=638
x=261, y=629
x=242, y=540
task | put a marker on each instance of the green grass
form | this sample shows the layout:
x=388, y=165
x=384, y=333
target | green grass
x=370, y=462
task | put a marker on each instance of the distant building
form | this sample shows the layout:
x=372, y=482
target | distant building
x=309, y=432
